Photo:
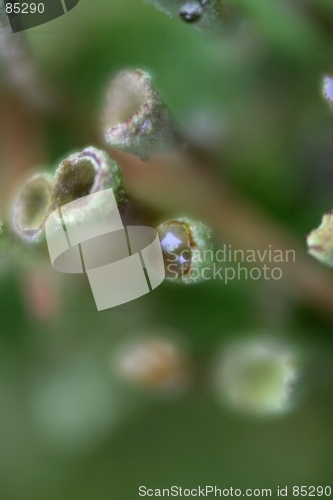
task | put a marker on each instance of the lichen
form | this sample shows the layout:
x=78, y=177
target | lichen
x=203, y=14
x=135, y=118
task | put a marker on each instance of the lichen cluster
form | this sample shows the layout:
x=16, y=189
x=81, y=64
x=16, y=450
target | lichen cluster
x=136, y=120
x=77, y=176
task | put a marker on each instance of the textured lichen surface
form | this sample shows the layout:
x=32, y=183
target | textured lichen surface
x=84, y=173
x=136, y=120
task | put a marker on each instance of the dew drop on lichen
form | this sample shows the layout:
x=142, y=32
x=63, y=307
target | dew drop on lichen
x=187, y=249
x=176, y=248
x=191, y=12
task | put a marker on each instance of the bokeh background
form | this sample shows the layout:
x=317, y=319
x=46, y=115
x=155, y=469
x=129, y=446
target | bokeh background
x=251, y=99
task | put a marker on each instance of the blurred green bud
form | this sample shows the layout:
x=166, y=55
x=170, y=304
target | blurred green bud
x=155, y=361
x=320, y=241
x=31, y=207
x=328, y=88
x=135, y=118
x=259, y=376
x=187, y=249
x=204, y=14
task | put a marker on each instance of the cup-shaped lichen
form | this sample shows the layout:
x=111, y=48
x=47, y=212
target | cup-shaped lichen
x=84, y=173
x=320, y=241
x=135, y=118
x=31, y=206
x=204, y=14
x=77, y=176
x=259, y=376
x=187, y=249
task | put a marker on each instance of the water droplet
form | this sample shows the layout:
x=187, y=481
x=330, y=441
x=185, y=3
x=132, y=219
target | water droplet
x=176, y=248
x=187, y=249
x=191, y=12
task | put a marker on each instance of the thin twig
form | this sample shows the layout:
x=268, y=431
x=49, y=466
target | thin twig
x=175, y=185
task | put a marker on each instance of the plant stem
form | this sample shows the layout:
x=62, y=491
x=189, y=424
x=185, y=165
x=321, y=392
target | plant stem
x=177, y=185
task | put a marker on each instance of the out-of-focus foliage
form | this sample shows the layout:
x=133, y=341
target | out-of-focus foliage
x=67, y=430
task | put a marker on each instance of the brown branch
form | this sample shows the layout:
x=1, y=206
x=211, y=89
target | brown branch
x=177, y=186
x=21, y=145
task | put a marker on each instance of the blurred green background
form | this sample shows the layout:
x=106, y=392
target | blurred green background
x=67, y=430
